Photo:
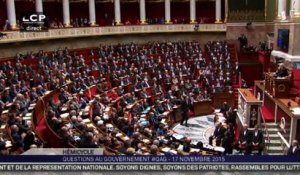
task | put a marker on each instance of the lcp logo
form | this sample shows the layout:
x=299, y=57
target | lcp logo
x=34, y=18
x=34, y=22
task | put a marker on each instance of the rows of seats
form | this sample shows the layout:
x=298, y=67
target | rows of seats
x=151, y=73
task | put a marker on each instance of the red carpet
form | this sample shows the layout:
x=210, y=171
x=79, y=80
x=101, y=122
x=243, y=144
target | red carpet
x=268, y=116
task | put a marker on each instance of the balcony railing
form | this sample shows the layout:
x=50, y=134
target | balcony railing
x=17, y=36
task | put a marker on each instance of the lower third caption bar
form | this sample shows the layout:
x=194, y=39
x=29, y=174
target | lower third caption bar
x=145, y=167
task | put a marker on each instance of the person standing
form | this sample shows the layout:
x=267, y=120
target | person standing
x=228, y=139
x=245, y=140
x=218, y=134
x=185, y=110
x=294, y=149
x=258, y=139
x=237, y=72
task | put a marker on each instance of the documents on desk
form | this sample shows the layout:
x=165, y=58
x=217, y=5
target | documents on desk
x=64, y=109
x=91, y=125
x=194, y=150
x=64, y=115
x=107, y=109
x=87, y=120
x=165, y=113
x=129, y=106
x=125, y=138
x=178, y=136
x=210, y=147
x=166, y=149
x=8, y=144
x=146, y=141
x=119, y=134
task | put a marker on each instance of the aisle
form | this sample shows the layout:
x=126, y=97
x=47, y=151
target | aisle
x=199, y=128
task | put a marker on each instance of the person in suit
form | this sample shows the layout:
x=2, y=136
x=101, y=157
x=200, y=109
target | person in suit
x=144, y=94
x=22, y=127
x=138, y=86
x=155, y=89
x=63, y=96
x=225, y=107
x=170, y=96
x=130, y=98
x=185, y=110
x=258, y=139
x=16, y=136
x=294, y=149
x=187, y=144
x=120, y=91
x=237, y=71
x=168, y=106
x=213, y=89
x=154, y=120
x=217, y=134
x=154, y=150
x=29, y=140
x=246, y=140
x=145, y=84
x=67, y=136
x=88, y=141
x=243, y=42
x=158, y=108
x=7, y=26
x=231, y=117
x=282, y=71
x=227, y=141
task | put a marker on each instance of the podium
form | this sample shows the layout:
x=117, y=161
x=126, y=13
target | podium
x=276, y=86
x=248, y=108
x=177, y=113
x=203, y=107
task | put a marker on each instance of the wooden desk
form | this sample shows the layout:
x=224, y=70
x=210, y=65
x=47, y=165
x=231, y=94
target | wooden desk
x=277, y=87
x=286, y=100
x=248, y=108
x=220, y=98
x=248, y=95
x=167, y=117
x=177, y=113
x=203, y=107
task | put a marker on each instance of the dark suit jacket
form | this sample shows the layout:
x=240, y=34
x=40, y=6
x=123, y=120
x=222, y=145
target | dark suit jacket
x=63, y=98
x=28, y=141
x=184, y=106
x=237, y=69
x=246, y=137
x=259, y=138
x=219, y=131
x=22, y=128
x=282, y=72
x=2, y=145
x=87, y=144
x=18, y=139
x=224, y=108
x=144, y=95
x=293, y=153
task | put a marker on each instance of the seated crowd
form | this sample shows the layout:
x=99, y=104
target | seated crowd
x=126, y=91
